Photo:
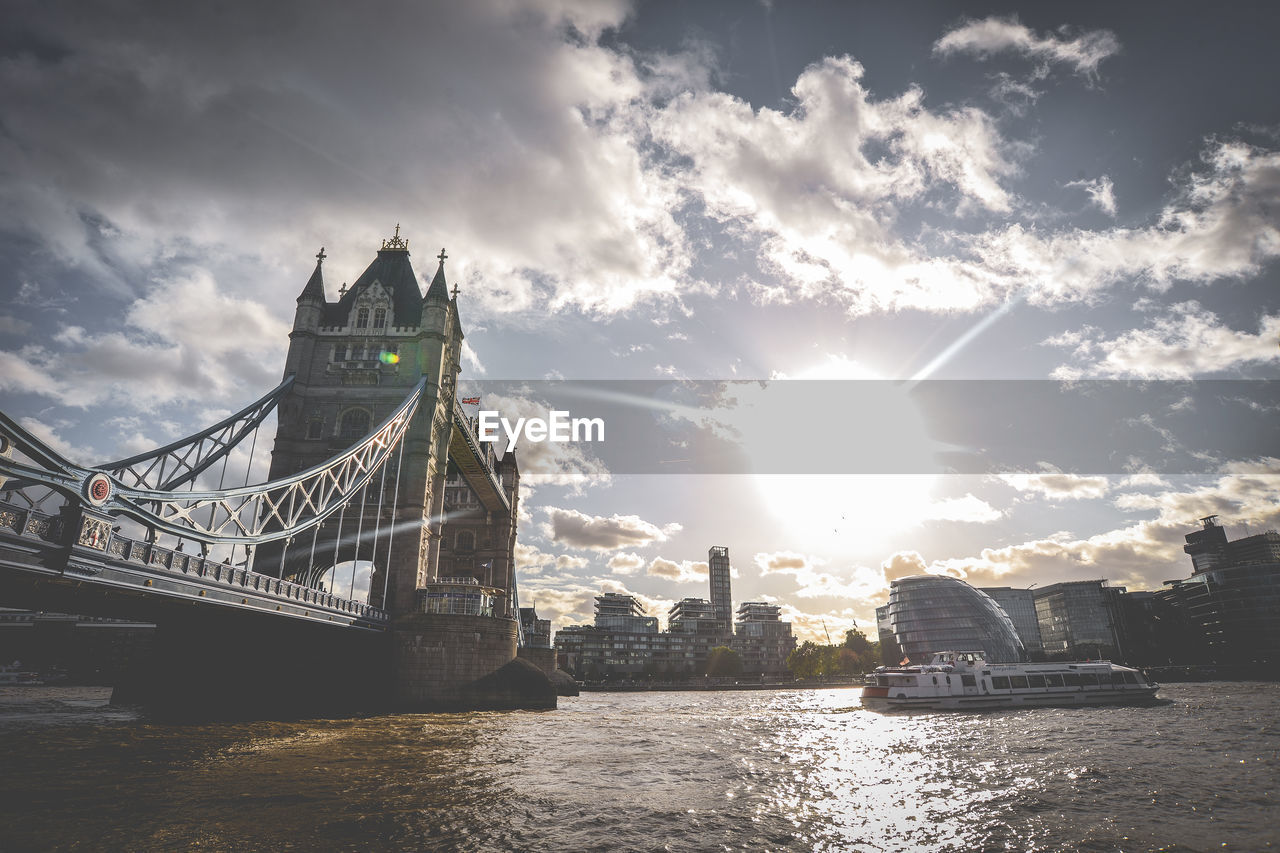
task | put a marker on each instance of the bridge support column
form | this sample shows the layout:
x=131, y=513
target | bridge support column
x=221, y=668
x=452, y=662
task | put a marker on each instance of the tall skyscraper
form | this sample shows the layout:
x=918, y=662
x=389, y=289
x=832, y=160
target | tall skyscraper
x=721, y=597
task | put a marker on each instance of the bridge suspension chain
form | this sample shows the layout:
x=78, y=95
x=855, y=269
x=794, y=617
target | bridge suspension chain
x=248, y=515
x=181, y=462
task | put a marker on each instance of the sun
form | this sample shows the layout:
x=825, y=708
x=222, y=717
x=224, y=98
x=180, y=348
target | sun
x=883, y=475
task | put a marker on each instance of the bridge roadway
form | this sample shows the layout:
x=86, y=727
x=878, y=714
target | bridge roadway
x=45, y=565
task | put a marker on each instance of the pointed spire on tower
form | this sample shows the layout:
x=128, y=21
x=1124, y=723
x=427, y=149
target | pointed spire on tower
x=314, y=291
x=439, y=289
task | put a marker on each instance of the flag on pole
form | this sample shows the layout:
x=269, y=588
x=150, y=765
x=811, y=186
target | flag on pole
x=470, y=401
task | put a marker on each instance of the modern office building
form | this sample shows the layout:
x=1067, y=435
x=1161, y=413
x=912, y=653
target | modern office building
x=623, y=614
x=620, y=643
x=1020, y=604
x=693, y=616
x=890, y=654
x=625, y=642
x=933, y=613
x=1232, y=599
x=1208, y=547
x=762, y=639
x=718, y=571
x=1078, y=620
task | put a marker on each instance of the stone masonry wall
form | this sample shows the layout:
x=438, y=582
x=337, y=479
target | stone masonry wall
x=437, y=656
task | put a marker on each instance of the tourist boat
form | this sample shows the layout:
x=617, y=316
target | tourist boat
x=14, y=676
x=964, y=680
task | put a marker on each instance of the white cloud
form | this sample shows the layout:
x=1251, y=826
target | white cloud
x=13, y=326
x=1186, y=342
x=625, y=563
x=1053, y=484
x=275, y=146
x=812, y=581
x=781, y=562
x=186, y=341
x=685, y=571
x=599, y=533
x=820, y=187
x=1082, y=52
x=1223, y=223
x=529, y=559
x=1101, y=192
x=966, y=509
x=902, y=564
x=1142, y=555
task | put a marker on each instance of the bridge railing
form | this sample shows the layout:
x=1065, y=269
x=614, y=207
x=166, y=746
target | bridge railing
x=33, y=525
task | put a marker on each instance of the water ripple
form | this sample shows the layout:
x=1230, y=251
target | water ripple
x=789, y=770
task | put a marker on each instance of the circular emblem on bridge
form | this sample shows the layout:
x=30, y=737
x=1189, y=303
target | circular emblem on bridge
x=98, y=489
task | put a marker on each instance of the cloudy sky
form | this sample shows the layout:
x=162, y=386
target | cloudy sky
x=663, y=191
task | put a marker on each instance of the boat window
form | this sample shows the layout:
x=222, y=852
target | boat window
x=882, y=680
x=967, y=681
x=999, y=682
x=1017, y=681
x=1072, y=679
x=1088, y=679
x=1117, y=678
x=1053, y=680
x=1130, y=678
x=1035, y=680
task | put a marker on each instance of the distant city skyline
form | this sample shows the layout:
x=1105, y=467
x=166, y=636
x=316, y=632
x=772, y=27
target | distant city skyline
x=710, y=191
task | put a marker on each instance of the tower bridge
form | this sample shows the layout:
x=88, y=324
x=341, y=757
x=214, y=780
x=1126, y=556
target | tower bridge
x=374, y=565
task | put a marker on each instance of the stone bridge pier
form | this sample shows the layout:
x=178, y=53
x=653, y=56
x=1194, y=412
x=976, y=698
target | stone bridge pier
x=210, y=666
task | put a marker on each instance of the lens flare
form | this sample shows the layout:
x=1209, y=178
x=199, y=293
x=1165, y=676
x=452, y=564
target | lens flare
x=389, y=357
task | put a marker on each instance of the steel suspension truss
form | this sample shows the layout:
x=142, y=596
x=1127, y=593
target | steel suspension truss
x=177, y=464
x=248, y=515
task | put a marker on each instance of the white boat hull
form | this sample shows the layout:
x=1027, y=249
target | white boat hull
x=957, y=681
x=1045, y=699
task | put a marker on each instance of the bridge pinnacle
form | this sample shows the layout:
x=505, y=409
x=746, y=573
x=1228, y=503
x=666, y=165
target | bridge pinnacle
x=396, y=243
x=439, y=289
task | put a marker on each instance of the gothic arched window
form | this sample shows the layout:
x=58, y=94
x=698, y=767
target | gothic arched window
x=362, y=318
x=380, y=318
x=466, y=541
x=354, y=423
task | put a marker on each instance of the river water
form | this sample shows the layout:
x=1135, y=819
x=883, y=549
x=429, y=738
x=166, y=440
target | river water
x=783, y=770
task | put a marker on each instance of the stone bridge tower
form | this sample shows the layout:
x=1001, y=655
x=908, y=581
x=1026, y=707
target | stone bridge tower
x=353, y=362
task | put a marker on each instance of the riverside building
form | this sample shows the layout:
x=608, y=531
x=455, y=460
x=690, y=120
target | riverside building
x=1232, y=599
x=933, y=613
x=624, y=641
x=1078, y=620
x=762, y=639
x=1020, y=605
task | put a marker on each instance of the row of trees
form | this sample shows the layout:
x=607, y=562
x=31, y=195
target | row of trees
x=854, y=656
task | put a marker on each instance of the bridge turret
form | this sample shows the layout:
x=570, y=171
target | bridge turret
x=306, y=319
x=312, y=296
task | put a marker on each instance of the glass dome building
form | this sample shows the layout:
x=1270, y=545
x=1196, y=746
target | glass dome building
x=934, y=613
